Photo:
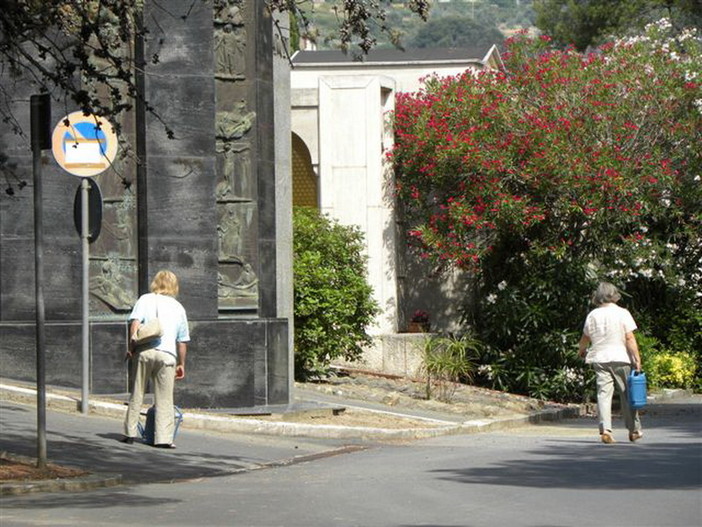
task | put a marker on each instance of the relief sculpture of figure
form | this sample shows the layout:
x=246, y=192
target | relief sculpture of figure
x=224, y=187
x=229, y=14
x=229, y=230
x=123, y=228
x=247, y=283
x=230, y=53
x=234, y=169
x=109, y=288
x=233, y=125
x=244, y=286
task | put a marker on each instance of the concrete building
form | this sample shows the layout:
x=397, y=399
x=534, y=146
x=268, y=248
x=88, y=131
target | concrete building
x=340, y=137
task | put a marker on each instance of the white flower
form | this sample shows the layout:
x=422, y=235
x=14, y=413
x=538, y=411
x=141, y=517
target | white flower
x=687, y=33
x=485, y=369
x=501, y=286
x=571, y=375
x=491, y=298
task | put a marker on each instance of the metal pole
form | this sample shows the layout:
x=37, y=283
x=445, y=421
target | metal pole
x=85, y=234
x=39, y=290
x=141, y=168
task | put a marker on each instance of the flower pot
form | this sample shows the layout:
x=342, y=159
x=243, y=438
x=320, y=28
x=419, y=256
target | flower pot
x=418, y=327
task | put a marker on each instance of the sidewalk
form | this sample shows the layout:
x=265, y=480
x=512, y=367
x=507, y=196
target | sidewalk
x=92, y=443
x=212, y=443
x=417, y=423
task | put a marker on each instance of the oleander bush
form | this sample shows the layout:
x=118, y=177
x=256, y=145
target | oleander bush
x=542, y=179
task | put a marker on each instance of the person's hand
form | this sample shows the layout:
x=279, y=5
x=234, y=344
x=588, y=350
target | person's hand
x=180, y=371
x=129, y=354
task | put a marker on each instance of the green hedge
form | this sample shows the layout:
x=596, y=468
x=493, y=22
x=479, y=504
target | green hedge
x=333, y=300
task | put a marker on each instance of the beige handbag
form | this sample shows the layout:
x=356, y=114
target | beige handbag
x=147, y=332
x=152, y=330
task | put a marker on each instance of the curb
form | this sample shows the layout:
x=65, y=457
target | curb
x=81, y=483
x=204, y=421
x=72, y=484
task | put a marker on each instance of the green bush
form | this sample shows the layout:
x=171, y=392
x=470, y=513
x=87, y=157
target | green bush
x=531, y=322
x=671, y=370
x=333, y=301
x=665, y=368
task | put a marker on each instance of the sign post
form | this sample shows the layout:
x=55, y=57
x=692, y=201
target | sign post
x=84, y=145
x=40, y=114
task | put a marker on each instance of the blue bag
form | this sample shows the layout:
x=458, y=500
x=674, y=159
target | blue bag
x=149, y=430
x=636, y=388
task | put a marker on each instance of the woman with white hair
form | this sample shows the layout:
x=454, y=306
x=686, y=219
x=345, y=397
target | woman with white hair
x=609, y=333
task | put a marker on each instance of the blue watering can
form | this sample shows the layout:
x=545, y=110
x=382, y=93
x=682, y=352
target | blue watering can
x=636, y=383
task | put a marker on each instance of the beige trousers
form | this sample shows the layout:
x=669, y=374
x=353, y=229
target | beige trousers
x=609, y=376
x=159, y=367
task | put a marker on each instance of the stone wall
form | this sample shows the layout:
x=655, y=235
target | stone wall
x=393, y=354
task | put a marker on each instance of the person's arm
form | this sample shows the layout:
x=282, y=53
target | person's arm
x=131, y=344
x=632, y=347
x=180, y=366
x=582, y=345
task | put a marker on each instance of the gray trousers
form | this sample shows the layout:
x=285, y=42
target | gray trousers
x=611, y=376
x=159, y=367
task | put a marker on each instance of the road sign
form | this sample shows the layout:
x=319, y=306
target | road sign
x=84, y=145
x=94, y=210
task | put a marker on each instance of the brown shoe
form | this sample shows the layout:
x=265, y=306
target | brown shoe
x=607, y=437
x=635, y=436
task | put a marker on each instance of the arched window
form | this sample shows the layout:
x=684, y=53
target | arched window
x=305, y=187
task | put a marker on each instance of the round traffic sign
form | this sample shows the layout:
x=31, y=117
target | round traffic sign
x=84, y=145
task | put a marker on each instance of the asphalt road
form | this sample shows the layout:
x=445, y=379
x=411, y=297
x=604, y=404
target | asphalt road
x=545, y=476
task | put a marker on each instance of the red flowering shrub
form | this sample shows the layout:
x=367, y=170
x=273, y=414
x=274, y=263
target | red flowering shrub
x=570, y=165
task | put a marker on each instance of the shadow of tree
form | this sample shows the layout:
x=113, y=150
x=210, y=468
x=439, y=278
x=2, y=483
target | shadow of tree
x=137, y=463
x=579, y=464
x=102, y=499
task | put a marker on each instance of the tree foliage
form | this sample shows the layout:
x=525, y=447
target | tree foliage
x=359, y=22
x=592, y=22
x=456, y=32
x=84, y=52
x=333, y=302
x=565, y=169
x=85, y=47
x=81, y=48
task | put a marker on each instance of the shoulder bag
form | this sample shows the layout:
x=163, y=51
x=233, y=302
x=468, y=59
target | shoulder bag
x=149, y=331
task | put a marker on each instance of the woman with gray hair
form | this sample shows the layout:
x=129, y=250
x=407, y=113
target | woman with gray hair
x=609, y=333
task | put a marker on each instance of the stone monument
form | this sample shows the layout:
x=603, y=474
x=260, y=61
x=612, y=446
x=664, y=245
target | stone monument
x=206, y=204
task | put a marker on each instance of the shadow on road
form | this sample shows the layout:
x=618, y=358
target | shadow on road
x=138, y=463
x=654, y=463
x=102, y=499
